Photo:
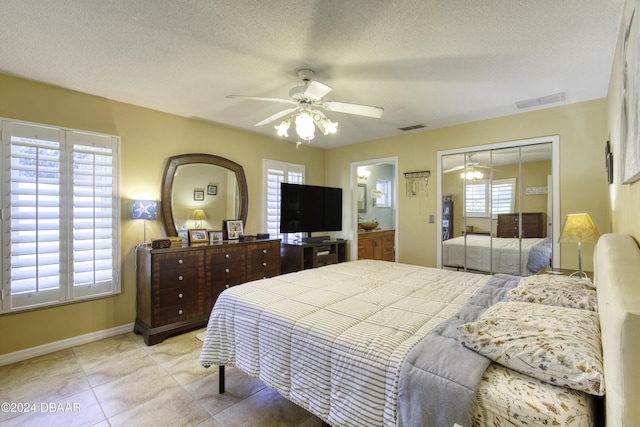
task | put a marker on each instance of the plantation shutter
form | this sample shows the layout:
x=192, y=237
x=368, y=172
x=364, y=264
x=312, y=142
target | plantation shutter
x=502, y=197
x=60, y=228
x=276, y=173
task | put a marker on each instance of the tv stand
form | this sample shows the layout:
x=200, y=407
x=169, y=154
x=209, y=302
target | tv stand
x=301, y=256
x=315, y=239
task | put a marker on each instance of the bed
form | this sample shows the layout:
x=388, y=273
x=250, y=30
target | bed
x=377, y=343
x=507, y=258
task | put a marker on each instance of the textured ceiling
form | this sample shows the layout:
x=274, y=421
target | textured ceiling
x=430, y=62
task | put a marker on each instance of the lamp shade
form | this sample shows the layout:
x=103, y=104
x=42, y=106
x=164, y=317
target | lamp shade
x=578, y=228
x=198, y=215
x=145, y=209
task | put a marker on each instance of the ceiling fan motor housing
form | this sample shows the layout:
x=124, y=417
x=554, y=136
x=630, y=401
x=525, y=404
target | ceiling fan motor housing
x=298, y=93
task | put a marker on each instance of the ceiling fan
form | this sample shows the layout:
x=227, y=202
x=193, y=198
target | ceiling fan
x=470, y=169
x=308, y=101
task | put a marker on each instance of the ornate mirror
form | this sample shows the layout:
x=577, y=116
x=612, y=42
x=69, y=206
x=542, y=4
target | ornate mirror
x=200, y=191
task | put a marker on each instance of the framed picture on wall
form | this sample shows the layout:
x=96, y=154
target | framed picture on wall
x=198, y=194
x=630, y=97
x=212, y=190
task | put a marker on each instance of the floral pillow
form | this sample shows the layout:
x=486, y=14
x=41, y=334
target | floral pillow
x=555, y=290
x=557, y=345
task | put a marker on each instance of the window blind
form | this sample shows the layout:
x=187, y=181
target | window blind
x=275, y=173
x=60, y=215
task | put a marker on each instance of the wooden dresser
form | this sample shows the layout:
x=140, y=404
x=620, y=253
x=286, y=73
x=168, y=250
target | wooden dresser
x=377, y=245
x=533, y=225
x=177, y=287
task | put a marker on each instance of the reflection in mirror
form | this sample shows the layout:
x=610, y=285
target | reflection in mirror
x=362, y=198
x=497, y=209
x=200, y=191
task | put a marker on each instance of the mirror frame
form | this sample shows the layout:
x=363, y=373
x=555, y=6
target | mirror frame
x=188, y=159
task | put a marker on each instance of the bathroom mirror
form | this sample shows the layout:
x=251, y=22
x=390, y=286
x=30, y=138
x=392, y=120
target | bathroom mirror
x=214, y=186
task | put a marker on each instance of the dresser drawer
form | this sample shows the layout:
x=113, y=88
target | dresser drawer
x=178, y=260
x=226, y=254
x=174, y=278
x=178, y=313
x=180, y=295
x=231, y=272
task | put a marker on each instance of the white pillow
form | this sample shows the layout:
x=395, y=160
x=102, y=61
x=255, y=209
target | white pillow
x=557, y=345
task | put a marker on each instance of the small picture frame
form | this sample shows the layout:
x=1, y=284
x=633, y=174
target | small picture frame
x=212, y=190
x=184, y=235
x=233, y=229
x=215, y=236
x=198, y=194
x=197, y=235
x=608, y=157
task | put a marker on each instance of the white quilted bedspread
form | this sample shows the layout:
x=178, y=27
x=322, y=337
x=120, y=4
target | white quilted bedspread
x=332, y=339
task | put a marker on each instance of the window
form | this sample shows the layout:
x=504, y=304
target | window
x=383, y=193
x=60, y=215
x=274, y=174
x=477, y=197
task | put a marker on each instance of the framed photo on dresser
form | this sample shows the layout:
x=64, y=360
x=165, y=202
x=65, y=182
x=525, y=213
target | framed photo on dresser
x=232, y=228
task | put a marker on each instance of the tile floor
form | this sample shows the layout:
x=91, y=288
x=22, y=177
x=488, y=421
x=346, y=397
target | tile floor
x=120, y=381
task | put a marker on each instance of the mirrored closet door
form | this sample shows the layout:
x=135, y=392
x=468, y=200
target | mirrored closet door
x=497, y=207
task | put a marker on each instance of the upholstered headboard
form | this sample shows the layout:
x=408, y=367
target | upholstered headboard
x=617, y=278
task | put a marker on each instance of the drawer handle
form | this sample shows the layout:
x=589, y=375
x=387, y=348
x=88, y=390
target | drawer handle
x=180, y=311
x=226, y=270
x=180, y=261
x=180, y=296
x=180, y=278
x=264, y=251
x=264, y=264
x=227, y=256
x=227, y=286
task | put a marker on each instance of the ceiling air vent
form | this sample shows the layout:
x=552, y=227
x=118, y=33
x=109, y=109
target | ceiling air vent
x=408, y=128
x=549, y=99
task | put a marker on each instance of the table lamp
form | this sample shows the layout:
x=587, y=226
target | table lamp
x=578, y=228
x=198, y=215
x=145, y=210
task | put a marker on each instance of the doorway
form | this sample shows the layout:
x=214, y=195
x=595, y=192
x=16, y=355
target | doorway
x=374, y=197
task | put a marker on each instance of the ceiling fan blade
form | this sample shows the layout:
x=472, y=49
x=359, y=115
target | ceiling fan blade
x=276, y=116
x=259, y=98
x=453, y=169
x=361, y=110
x=317, y=90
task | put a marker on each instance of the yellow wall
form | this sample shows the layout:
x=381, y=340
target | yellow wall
x=150, y=137
x=625, y=199
x=582, y=129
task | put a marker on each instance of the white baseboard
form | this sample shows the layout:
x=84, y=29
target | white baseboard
x=28, y=353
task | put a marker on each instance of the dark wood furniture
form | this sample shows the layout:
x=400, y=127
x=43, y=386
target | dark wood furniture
x=533, y=225
x=301, y=256
x=177, y=287
x=377, y=245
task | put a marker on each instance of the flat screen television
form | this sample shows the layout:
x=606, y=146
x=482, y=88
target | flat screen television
x=310, y=208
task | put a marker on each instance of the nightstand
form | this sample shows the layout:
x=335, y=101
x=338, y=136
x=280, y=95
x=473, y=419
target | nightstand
x=565, y=272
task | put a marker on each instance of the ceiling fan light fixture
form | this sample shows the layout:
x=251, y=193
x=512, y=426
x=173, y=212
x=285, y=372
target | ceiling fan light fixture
x=330, y=127
x=471, y=175
x=305, y=126
x=283, y=128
